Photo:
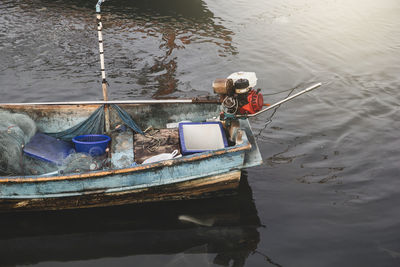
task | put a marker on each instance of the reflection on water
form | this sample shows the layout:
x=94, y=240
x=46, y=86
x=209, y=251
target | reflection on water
x=225, y=228
x=144, y=44
x=175, y=24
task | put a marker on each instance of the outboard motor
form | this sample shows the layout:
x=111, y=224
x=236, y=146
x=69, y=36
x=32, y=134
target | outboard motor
x=237, y=94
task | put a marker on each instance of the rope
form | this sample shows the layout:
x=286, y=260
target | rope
x=280, y=92
x=155, y=142
x=269, y=120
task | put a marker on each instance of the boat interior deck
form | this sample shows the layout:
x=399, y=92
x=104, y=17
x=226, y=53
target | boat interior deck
x=161, y=139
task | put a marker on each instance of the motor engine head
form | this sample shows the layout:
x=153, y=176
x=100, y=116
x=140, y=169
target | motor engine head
x=237, y=94
x=242, y=86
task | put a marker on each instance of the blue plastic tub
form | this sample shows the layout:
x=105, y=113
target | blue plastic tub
x=93, y=144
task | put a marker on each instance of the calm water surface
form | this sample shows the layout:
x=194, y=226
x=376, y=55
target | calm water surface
x=328, y=193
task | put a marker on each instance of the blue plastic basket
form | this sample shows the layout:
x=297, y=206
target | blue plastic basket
x=93, y=144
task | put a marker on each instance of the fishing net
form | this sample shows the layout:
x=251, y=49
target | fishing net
x=95, y=124
x=125, y=117
x=81, y=162
x=15, y=131
x=74, y=163
x=92, y=125
x=33, y=166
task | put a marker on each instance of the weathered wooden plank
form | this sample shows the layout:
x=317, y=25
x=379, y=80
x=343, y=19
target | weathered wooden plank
x=122, y=155
x=154, y=143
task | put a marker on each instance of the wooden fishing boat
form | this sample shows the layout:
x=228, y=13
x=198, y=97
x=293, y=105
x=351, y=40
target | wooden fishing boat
x=198, y=175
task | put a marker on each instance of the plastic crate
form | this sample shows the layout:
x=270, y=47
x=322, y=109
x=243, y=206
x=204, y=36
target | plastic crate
x=48, y=148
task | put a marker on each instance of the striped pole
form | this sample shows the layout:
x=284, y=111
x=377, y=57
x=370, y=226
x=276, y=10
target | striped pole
x=102, y=68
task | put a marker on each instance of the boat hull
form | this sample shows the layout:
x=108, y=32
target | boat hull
x=216, y=227
x=204, y=187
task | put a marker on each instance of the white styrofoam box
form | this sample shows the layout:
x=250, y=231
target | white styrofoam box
x=201, y=136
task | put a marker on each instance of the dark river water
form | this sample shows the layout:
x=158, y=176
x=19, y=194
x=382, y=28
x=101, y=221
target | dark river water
x=328, y=193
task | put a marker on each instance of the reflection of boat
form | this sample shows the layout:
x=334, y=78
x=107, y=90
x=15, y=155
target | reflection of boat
x=134, y=230
x=192, y=176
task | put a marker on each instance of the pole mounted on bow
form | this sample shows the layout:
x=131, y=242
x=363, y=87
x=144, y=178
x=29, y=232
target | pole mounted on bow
x=103, y=72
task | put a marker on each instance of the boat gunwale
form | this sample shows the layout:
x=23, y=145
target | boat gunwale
x=199, y=156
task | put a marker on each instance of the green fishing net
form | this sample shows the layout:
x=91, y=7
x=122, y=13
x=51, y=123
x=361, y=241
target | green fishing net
x=16, y=130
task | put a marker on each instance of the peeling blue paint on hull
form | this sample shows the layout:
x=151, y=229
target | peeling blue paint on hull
x=201, y=175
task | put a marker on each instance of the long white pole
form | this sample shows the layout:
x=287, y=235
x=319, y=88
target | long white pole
x=102, y=67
